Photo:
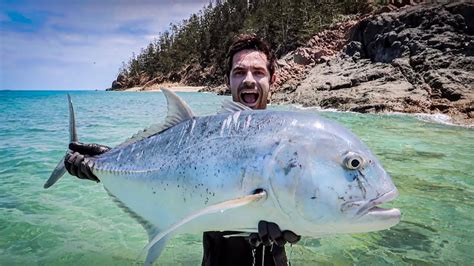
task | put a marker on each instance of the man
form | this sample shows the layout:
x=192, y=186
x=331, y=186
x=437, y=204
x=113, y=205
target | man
x=250, y=73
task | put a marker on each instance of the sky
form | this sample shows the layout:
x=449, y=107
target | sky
x=78, y=44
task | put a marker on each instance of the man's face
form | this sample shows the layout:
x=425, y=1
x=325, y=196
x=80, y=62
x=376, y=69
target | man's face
x=249, y=79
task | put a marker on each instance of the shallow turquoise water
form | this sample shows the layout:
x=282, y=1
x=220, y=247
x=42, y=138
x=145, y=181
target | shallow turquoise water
x=76, y=223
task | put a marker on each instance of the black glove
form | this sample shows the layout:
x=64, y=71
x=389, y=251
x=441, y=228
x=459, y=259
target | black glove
x=269, y=233
x=77, y=159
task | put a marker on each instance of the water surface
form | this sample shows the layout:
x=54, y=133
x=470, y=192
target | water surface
x=76, y=223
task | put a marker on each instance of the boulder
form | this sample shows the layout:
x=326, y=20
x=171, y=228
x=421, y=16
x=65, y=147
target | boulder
x=415, y=59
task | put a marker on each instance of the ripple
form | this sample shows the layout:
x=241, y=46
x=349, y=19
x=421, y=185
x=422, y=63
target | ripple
x=75, y=222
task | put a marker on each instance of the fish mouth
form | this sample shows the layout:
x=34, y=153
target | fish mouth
x=250, y=97
x=371, y=208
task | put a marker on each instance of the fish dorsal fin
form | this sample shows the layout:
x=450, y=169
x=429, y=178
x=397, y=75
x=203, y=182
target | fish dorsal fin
x=232, y=107
x=178, y=111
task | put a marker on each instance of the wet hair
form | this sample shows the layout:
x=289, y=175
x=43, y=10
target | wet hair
x=250, y=42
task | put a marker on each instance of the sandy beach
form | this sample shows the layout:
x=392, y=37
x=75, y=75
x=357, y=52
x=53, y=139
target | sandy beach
x=176, y=87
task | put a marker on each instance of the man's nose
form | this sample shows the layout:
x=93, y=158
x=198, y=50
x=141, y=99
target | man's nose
x=249, y=79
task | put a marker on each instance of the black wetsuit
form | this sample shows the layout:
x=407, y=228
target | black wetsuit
x=219, y=250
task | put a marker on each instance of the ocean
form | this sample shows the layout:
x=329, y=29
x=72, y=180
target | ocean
x=75, y=222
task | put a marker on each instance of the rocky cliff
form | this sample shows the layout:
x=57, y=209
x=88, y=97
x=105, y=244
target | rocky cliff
x=417, y=59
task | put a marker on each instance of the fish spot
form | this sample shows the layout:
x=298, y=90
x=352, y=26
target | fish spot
x=362, y=188
x=313, y=197
x=348, y=205
x=291, y=164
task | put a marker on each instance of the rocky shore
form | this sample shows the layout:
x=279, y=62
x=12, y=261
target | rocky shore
x=417, y=59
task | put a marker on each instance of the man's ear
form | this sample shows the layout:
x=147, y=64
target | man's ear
x=273, y=79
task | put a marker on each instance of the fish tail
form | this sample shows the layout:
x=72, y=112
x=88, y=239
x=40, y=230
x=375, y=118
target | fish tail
x=60, y=169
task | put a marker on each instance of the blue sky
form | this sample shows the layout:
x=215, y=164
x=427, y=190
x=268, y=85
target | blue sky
x=78, y=44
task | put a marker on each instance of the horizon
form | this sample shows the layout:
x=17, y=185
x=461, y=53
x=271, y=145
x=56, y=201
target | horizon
x=51, y=45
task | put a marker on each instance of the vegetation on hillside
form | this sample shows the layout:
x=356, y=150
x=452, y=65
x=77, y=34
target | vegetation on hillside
x=201, y=41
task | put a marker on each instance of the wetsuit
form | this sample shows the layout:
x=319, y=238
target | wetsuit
x=219, y=250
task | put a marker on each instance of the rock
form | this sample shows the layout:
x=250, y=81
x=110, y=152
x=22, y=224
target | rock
x=174, y=77
x=353, y=48
x=116, y=85
x=416, y=59
x=120, y=78
x=301, y=57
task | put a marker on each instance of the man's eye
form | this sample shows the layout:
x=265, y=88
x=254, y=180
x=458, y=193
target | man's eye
x=259, y=73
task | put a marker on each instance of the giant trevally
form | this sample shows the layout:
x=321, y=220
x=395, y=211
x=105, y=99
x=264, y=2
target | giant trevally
x=230, y=170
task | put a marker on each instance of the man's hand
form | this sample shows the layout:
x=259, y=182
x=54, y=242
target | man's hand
x=269, y=233
x=77, y=159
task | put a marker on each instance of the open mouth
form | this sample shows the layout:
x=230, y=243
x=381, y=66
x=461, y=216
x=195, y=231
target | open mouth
x=250, y=97
x=372, y=207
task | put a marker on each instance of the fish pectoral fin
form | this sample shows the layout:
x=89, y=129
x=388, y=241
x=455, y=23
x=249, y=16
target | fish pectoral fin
x=162, y=236
x=232, y=107
x=155, y=250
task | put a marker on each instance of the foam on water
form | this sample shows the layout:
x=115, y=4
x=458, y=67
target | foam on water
x=433, y=118
x=75, y=222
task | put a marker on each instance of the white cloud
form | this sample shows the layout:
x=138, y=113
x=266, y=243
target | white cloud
x=81, y=44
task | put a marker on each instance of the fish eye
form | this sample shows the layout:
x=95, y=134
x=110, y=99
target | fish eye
x=353, y=161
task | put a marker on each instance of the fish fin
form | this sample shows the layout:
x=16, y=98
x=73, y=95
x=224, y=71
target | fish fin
x=155, y=250
x=151, y=230
x=178, y=111
x=222, y=206
x=232, y=107
x=72, y=121
x=60, y=169
x=57, y=173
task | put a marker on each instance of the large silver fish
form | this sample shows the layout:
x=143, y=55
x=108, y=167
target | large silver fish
x=229, y=171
